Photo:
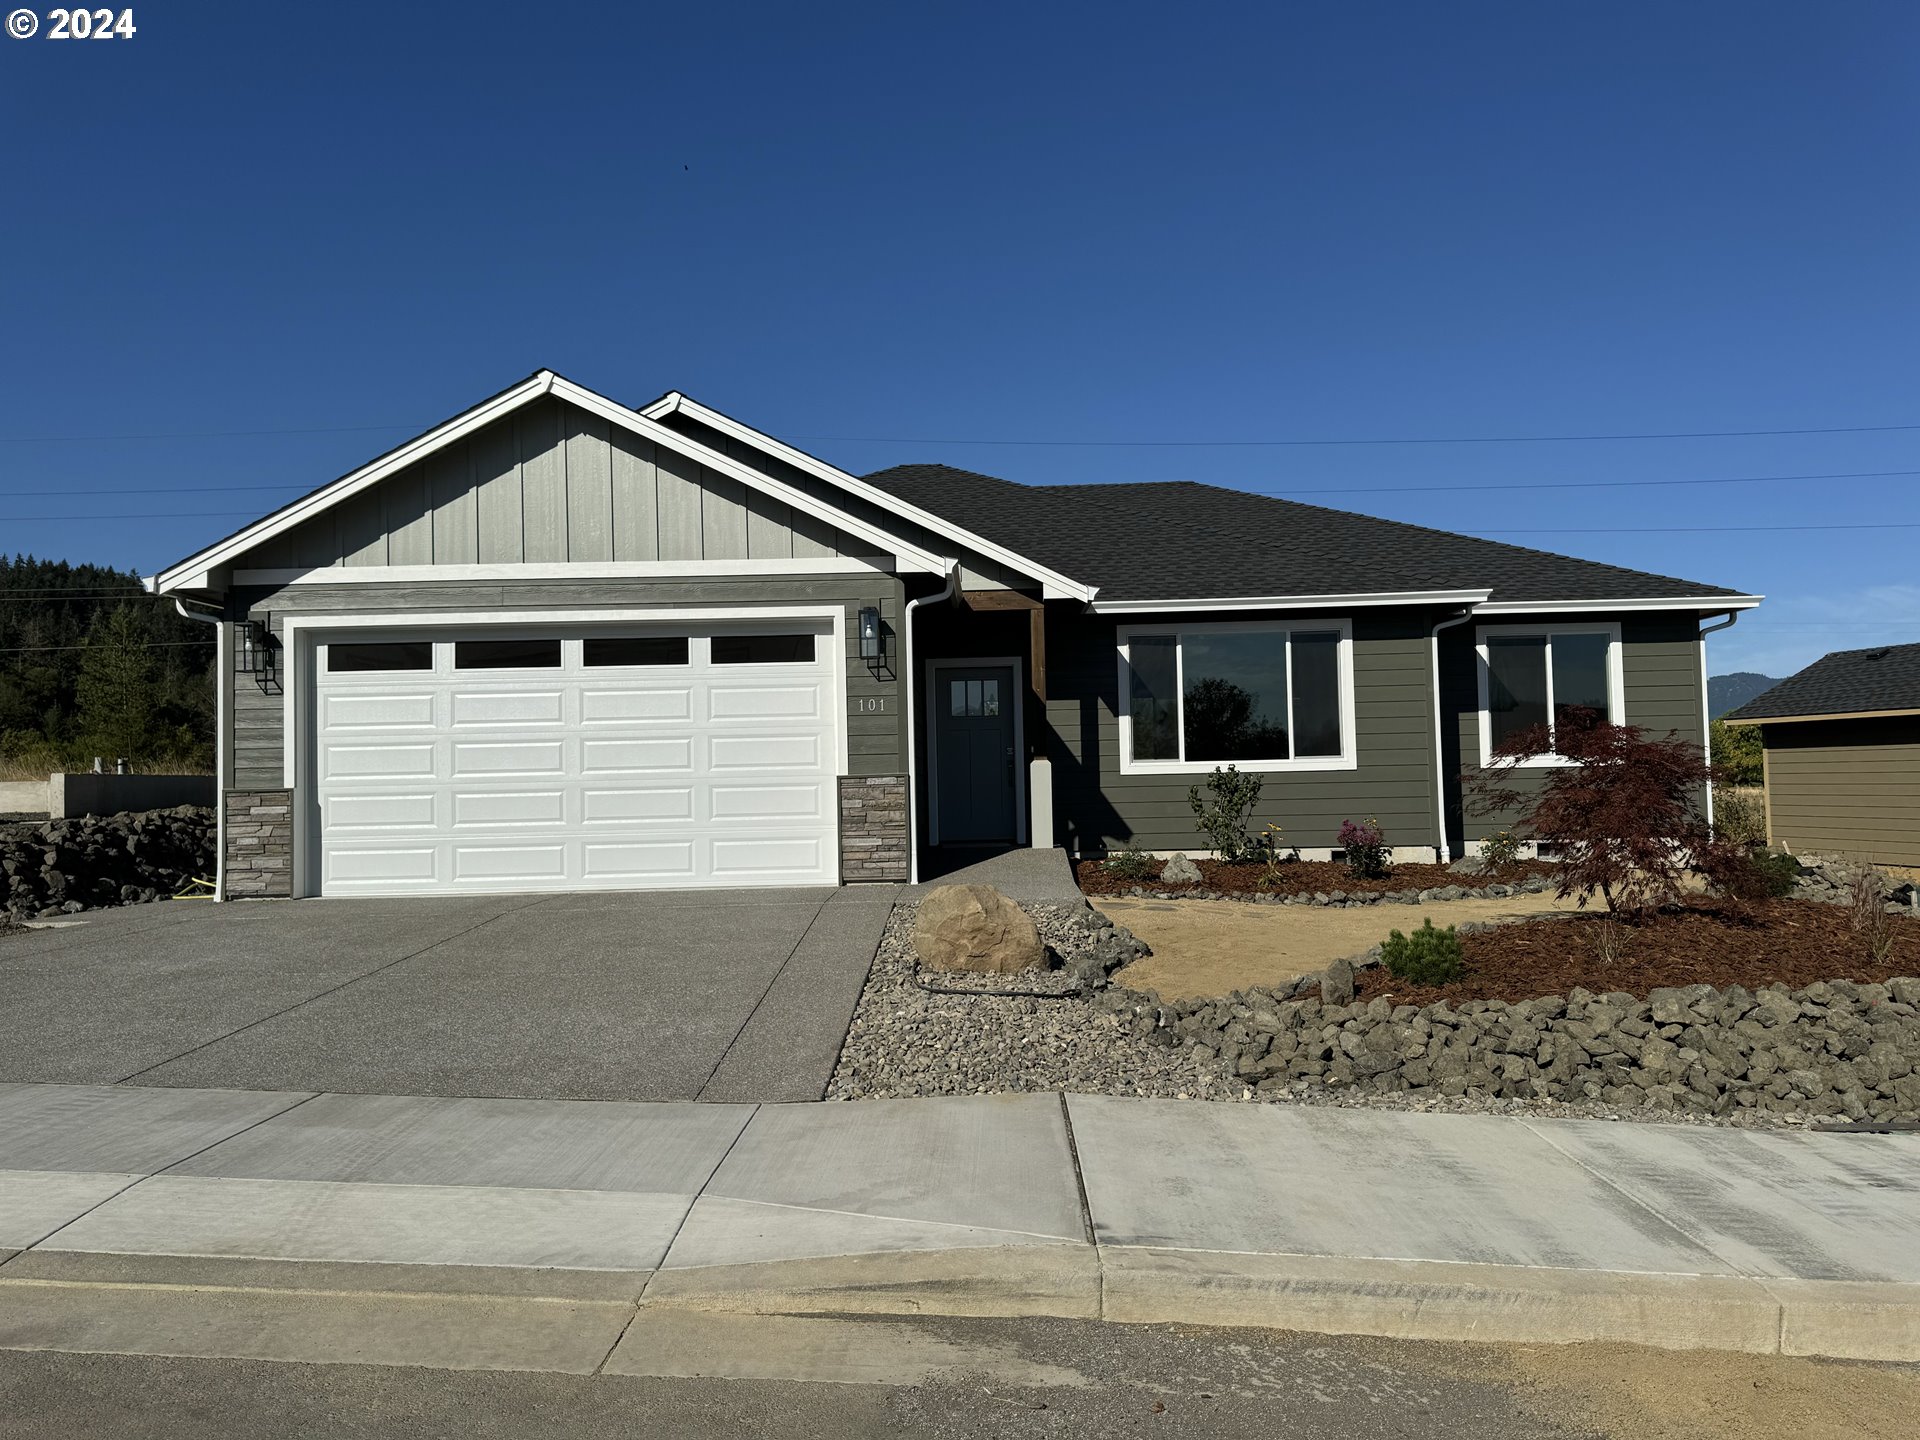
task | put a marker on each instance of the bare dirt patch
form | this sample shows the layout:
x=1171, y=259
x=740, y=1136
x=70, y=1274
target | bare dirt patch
x=1214, y=947
x=1300, y=877
x=1787, y=942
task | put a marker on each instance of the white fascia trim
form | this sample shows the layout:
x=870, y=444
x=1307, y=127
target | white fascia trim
x=298, y=631
x=581, y=570
x=1616, y=683
x=911, y=557
x=1292, y=602
x=1593, y=607
x=1054, y=585
x=1349, y=757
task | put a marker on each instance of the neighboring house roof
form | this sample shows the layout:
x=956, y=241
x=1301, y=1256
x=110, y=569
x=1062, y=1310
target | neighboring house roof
x=1179, y=540
x=1878, y=681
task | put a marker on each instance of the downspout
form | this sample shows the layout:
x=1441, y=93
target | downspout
x=1442, y=849
x=1706, y=704
x=911, y=677
x=221, y=671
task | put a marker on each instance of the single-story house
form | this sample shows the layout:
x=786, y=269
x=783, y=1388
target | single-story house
x=1841, y=741
x=558, y=643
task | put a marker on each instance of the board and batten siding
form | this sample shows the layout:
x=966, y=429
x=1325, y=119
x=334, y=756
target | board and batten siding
x=1846, y=787
x=1097, y=808
x=553, y=484
x=875, y=733
x=1660, y=693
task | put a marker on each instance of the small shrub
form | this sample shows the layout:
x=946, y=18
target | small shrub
x=1223, y=819
x=1740, y=816
x=1609, y=941
x=1742, y=874
x=1500, y=850
x=1131, y=864
x=1274, y=852
x=1364, y=847
x=1426, y=957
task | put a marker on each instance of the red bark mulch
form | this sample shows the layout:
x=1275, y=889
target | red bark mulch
x=1300, y=877
x=1789, y=942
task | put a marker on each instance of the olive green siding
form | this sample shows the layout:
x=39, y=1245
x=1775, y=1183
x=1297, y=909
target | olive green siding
x=1660, y=693
x=1846, y=787
x=875, y=736
x=552, y=484
x=1098, y=808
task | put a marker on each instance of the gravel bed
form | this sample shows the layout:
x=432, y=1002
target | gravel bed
x=906, y=1041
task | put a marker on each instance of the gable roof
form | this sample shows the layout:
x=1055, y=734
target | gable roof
x=1847, y=682
x=1178, y=540
x=194, y=572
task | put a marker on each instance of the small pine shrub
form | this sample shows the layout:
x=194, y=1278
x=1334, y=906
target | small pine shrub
x=1130, y=865
x=1743, y=874
x=1426, y=957
x=1364, y=847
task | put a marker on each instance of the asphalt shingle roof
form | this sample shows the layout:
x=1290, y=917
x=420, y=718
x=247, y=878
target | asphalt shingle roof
x=1886, y=677
x=1182, y=540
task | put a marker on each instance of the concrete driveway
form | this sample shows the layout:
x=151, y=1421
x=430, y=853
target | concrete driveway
x=709, y=995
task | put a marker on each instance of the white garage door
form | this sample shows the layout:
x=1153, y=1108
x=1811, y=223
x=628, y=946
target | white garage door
x=598, y=758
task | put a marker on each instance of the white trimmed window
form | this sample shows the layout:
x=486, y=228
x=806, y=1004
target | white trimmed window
x=1262, y=695
x=1538, y=674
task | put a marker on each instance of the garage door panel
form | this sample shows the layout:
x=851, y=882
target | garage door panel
x=622, y=707
x=379, y=812
x=634, y=757
x=475, y=810
x=785, y=803
x=764, y=702
x=585, y=776
x=350, y=867
x=346, y=712
x=518, y=863
x=636, y=806
x=508, y=757
x=375, y=761
x=639, y=862
x=765, y=752
x=526, y=707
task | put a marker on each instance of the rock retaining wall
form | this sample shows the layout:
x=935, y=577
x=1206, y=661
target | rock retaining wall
x=61, y=867
x=1835, y=1049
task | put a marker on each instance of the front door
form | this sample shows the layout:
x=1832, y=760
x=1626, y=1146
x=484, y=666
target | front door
x=973, y=714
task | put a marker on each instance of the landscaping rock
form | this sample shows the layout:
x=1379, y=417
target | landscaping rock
x=975, y=927
x=1336, y=983
x=62, y=867
x=1180, y=871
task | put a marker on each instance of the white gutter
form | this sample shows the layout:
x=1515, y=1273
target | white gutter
x=1442, y=850
x=913, y=748
x=222, y=680
x=1706, y=704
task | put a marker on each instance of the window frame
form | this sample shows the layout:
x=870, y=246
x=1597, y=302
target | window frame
x=1546, y=630
x=1124, y=635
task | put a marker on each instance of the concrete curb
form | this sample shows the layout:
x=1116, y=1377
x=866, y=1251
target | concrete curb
x=68, y=1300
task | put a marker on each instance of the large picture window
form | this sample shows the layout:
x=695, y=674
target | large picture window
x=1262, y=696
x=1545, y=676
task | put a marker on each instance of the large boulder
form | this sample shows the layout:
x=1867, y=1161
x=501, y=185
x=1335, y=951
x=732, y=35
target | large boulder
x=1180, y=871
x=975, y=927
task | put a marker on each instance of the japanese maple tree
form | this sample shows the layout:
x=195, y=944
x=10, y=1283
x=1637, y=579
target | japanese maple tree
x=1622, y=808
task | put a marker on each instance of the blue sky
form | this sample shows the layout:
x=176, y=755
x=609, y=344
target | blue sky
x=890, y=232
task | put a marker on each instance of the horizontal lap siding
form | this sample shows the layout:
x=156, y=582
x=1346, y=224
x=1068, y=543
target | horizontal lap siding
x=874, y=737
x=1660, y=693
x=1848, y=787
x=1096, y=807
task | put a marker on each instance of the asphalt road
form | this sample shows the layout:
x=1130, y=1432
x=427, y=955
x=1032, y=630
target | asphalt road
x=1118, y=1381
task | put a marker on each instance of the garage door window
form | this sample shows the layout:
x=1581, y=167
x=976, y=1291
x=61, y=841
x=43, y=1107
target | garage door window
x=762, y=649
x=634, y=650
x=532, y=654
x=392, y=655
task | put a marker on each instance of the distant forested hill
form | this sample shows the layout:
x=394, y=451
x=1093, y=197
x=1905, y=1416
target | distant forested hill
x=90, y=665
x=1730, y=692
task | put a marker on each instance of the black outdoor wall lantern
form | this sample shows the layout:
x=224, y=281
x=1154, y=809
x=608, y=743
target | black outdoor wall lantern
x=872, y=646
x=256, y=652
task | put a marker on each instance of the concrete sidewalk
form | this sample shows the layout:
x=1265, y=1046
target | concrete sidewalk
x=529, y=1234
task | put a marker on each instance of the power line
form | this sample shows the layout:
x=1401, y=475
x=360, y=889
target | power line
x=1701, y=529
x=148, y=645
x=194, y=434
x=1360, y=440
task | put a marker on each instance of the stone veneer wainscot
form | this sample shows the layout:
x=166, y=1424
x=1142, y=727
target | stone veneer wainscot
x=259, y=843
x=873, y=828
